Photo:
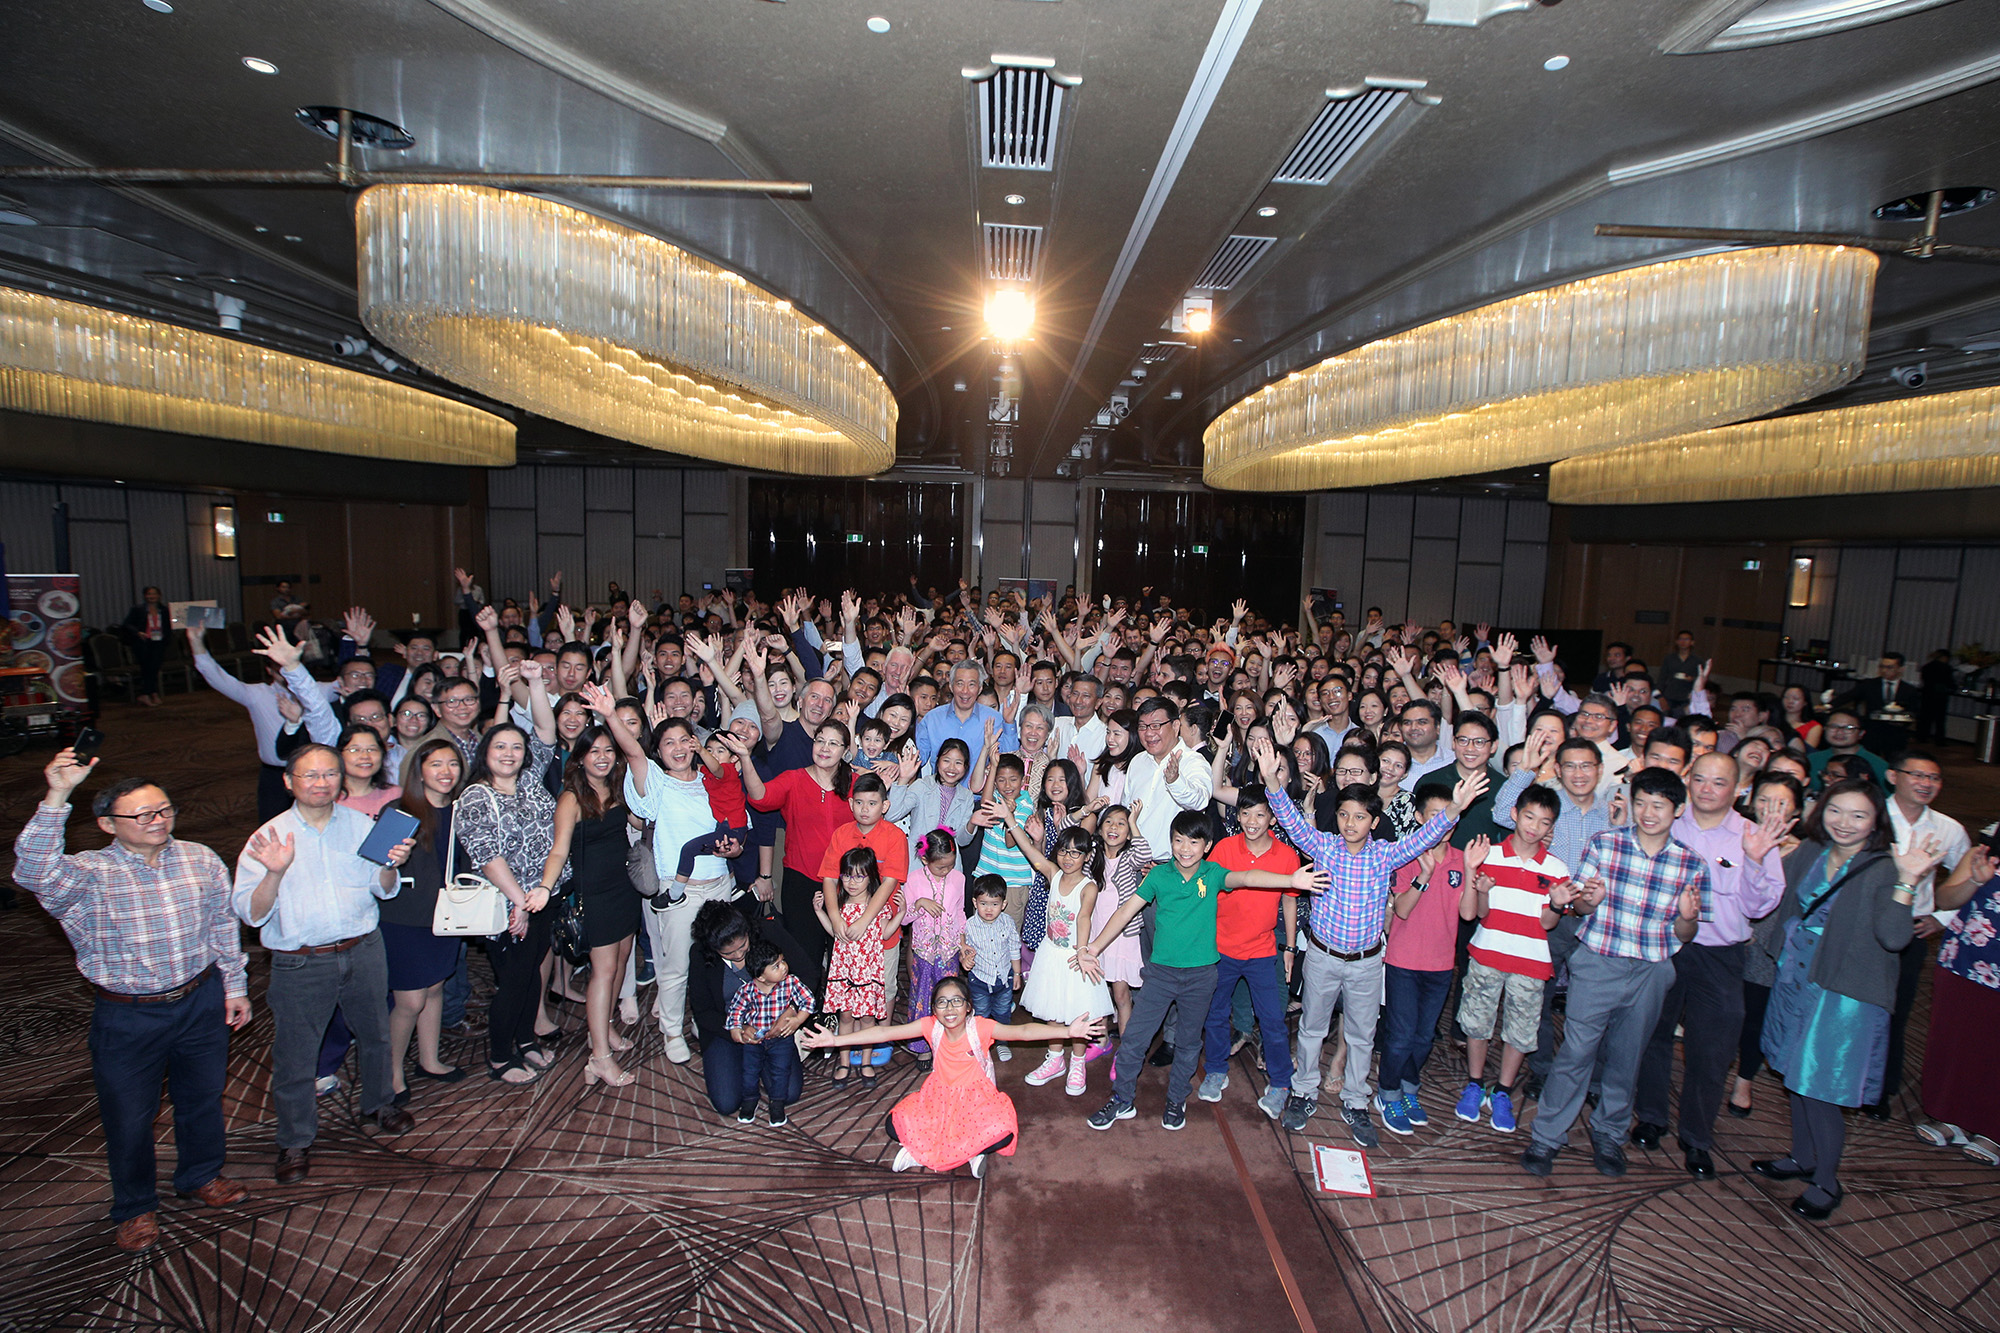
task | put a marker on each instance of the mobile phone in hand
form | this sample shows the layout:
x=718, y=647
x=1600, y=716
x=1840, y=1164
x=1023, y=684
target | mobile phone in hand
x=86, y=744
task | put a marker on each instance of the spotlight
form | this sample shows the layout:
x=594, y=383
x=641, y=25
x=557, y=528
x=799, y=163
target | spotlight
x=259, y=64
x=1197, y=315
x=1010, y=314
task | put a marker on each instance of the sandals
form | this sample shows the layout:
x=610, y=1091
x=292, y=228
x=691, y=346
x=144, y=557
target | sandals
x=537, y=1055
x=500, y=1073
x=1983, y=1149
x=1942, y=1135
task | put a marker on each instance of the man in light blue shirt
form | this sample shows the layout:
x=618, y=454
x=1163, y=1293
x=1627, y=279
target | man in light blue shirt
x=964, y=717
x=302, y=883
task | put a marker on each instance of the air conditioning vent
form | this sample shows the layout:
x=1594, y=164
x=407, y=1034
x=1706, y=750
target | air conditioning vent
x=1018, y=111
x=1232, y=261
x=1013, y=254
x=1337, y=134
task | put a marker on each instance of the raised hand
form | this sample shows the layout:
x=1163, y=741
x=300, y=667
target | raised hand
x=487, y=618
x=464, y=578
x=64, y=774
x=275, y=644
x=850, y=606
x=566, y=623
x=273, y=853
x=597, y=699
x=529, y=670
x=1467, y=791
x=1237, y=610
x=700, y=646
x=1765, y=836
x=1266, y=756
x=510, y=671
x=1160, y=630
x=1483, y=632
x=637, y=615
x=1690, y=903
x=1919, y=858
x=1562, y=893
x=360, y=626
x=1461, y=645
x=1403, y=661
x=1544, y=651
x=1523, y=678
x=1504, y=649
x=1535, y=752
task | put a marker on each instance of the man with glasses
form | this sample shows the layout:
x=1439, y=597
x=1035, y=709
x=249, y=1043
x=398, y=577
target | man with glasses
x=1474, y=740
x=150, y=921
x=1914, y=784
x=1167, y=777
x=458, y=713
x=302, y=883
x=1843, y=738
x=1334, y=699
x=1596, y=721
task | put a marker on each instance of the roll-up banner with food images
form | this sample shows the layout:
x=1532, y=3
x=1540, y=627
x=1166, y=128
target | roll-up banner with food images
x=46, y=632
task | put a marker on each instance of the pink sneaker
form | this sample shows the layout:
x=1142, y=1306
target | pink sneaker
x=1048, y=1071
x=1098, y=1050
x=1077, y=1070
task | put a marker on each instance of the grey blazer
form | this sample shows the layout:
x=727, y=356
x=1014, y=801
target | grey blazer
x=1866, y=932
x=920, y=799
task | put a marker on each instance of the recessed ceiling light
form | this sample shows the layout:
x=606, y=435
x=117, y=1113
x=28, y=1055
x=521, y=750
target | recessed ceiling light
x=1267, y=212
x=945, y=327
x=1017, y=199
x=261, y=230
x=259, y=64
x=295, y=239
x=878, y=24
x=1554, y=63
x=158, y=6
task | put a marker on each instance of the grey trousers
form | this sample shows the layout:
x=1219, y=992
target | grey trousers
x=671, y=931
x=305, y=990
x=1613, y=1006
x=1193, y=988
x=1357, y=987
x=1562, y=943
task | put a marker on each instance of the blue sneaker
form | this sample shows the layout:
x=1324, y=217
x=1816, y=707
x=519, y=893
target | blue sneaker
x=1469, y=1104
x=1393, y=1118
x=1502, y=1108
x=1413, y=1110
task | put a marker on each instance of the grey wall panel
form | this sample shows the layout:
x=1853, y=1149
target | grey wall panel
x=1344, y=513
x=1384, y=583
x=1978, y=619
x=209, y=578
x=1053, y=555
x=511, y=487
x=27, y=526
x=1389, y=519
x=159, y=540
x=1527, y=521
x=558, y=553
x=705, y=492
x=1522, y=577
x=607, y=488
x=1001, y=545
x=1861, y=602
x=1920, y=615
x=607, y=539
x=1003, y=502
x=1435, y=516
x=1433, y=577
x=95, y=502
x=706, y=553
x=1478, y=596
x=1482, y=530
x=1340, y=566
x=1928, y=562
x=510, y=538
x=103, y=561
x=656, y=567
x=559, y=499
x=656, y=504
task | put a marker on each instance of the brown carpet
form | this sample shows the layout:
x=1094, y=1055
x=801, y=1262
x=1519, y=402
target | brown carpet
x=560, y=1207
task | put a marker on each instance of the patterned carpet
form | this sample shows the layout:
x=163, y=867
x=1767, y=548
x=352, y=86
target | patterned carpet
x=560, y=1207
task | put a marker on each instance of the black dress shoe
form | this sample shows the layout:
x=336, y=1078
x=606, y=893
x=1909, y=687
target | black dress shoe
x=452, y=1075
x=1648, y=1136
x=391, y=1120
x=1740, y=1112
x=1699, y=1164
x=1876, y=1110
x=401, y=1099
x=1608, y=1158
x=294, y=1165
x=1813, y=1212
x=1771, y=1168
x=1537, y=1160
x=1162, y=1057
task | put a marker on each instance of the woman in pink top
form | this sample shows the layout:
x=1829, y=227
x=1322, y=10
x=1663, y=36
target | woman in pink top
x=364, y=780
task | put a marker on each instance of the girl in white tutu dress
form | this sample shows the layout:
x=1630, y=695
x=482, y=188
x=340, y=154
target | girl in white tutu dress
x=1055, y=985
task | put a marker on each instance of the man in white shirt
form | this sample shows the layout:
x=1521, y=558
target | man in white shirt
x=1168, y=777
x=1083, y=729
x=1915, y=779
x=261, y=702
x=302, y=883
x=1420, y=719
x=1597, y=722
x=1334, y=698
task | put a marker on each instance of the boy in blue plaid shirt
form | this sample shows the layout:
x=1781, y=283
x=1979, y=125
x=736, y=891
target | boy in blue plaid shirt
x=771, y=993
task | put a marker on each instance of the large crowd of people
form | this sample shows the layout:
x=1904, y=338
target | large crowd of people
x=1113, y=821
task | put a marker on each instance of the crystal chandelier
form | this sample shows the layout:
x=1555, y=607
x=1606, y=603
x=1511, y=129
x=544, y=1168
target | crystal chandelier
x=59, y=358
x=1613, y=360
x=1943, y=441
x=571, y=317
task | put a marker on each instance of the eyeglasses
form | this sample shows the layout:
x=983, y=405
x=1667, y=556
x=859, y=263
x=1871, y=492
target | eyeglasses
x=1842, y=726
x=412, y=712
x=145, y=818
x=363, y=748
x=948, y=1002
x=1473, y=742
x=318, y=775
x=1581, y=766
x=1597, y=716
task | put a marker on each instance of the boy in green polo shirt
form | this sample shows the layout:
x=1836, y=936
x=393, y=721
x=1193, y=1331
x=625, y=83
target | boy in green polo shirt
x=1184, y=892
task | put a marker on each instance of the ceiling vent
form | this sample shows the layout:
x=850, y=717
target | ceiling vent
x=1232, y=261
x=1018, y=112
x=1013, y=254
x=1337, y=134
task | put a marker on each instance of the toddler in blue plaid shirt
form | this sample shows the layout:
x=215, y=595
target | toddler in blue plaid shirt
x=771, y=993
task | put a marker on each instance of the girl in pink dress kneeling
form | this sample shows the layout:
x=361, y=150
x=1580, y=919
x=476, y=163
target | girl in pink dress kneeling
x=957, y=1116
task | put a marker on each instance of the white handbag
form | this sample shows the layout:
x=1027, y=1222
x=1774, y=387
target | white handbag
x=467, y=904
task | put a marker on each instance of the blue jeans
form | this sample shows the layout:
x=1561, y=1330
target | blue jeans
x=992, y=999
x=722, y=1060
x=1267, y=1002
x=133, y=1047
x=775, y=1062
x=1415, y=1000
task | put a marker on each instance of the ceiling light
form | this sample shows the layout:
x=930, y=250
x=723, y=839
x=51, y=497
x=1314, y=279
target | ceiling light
x=259, y=64
x=1554, y=63
x=1199, y=321
x=158, y=6
x=1017, y=199
x=1943, y=441
x=641, y=341
x=1267, y=211
x=1614, y=360
x=1197, y=315
x=1010, y=314
x=878, y=24
x=62, y=359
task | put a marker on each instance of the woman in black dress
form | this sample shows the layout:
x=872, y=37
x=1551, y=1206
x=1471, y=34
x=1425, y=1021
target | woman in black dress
x=590, y=836
x=420, y=961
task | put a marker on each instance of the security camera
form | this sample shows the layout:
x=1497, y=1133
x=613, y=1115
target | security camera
x=1911, y=377
x=1121, y=406
x=350, y=346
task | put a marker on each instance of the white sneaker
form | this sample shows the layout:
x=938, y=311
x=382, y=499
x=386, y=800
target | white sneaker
x=327, y=1085
x=1048, y=1071
x=677, y=1050
x=904, y=1161
x=1001, y=1052
x=978, y=1165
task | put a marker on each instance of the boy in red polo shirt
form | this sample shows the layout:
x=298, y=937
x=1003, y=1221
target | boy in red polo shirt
x=1245, y=923
x=868, y=798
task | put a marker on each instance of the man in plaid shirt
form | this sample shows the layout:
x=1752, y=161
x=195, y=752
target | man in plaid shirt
x=1645, y=895
x=1345, y=931
x=155, y=936
x=770, y=994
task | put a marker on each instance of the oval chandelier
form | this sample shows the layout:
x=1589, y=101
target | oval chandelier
x=64, y=359
x=1944, y=441
x=574, y=318
x=1611, y=360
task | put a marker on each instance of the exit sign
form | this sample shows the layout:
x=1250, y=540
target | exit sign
x=853, y=539
x=1199, y=550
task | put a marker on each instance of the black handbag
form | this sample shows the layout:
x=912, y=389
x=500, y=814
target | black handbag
x=566, y=935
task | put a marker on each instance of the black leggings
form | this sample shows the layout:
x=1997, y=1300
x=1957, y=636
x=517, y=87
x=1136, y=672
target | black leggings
x=517, y=976
x=796, y=905
x=1819, y=1136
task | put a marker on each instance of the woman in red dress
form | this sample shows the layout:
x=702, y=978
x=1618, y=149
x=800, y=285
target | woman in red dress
x=957, y=1116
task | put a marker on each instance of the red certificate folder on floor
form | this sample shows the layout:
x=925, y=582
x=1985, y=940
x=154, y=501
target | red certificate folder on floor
x=1342, y=1171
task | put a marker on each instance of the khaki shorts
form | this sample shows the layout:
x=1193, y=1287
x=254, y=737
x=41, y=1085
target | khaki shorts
x=1485, y=990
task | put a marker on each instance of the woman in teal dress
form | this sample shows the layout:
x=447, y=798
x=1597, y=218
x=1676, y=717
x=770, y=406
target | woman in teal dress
x=1846, y=917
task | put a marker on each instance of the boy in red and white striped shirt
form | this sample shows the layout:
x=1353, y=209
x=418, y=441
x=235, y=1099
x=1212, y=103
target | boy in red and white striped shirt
x=1517, y=898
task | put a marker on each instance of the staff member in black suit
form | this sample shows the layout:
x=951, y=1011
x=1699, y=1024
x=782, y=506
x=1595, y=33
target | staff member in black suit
x=1874, y=697
x=147, y=626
